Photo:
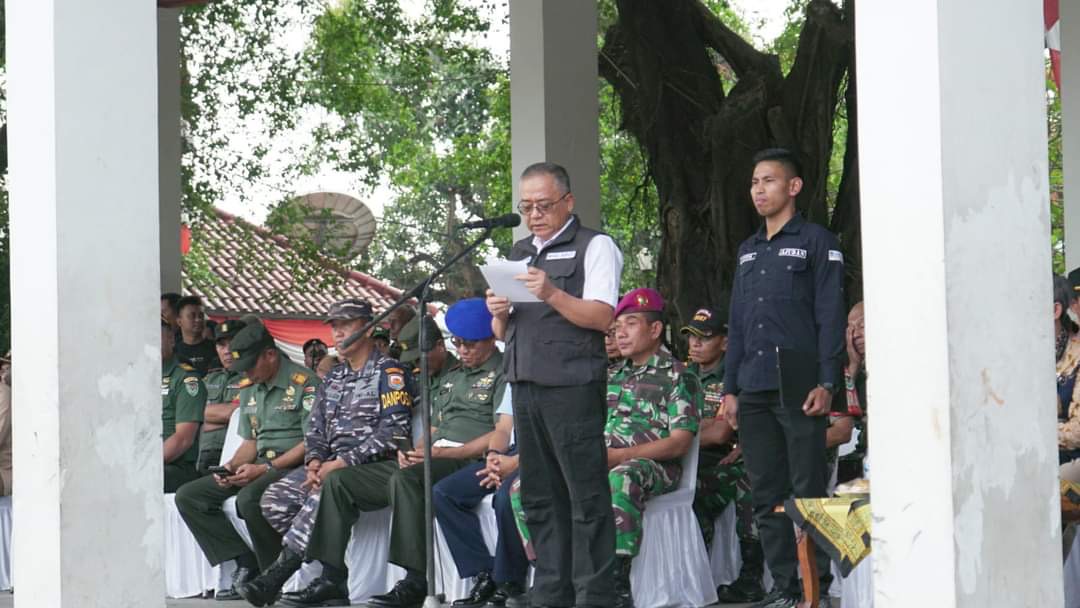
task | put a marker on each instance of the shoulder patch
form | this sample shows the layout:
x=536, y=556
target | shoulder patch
x=299, y=378
x=396, y=381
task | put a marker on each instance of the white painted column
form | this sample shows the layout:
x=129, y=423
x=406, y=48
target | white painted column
x=1070, y=128
x=170, y=146
x=554, y=103
x=84, y=219
x=958, y=293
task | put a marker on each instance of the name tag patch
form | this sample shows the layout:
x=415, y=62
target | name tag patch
x=561, y=255
x=836, y=256
x=750, y=257
x=792, y=252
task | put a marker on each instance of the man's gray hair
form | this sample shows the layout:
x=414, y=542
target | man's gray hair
x=556, y=171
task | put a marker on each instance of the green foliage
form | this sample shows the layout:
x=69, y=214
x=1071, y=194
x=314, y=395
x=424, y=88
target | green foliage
x=1057, y=180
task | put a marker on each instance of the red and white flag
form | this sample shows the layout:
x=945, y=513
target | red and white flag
x=1052, y=22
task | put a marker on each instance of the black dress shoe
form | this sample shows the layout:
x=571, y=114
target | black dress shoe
x=509, y=595
x=481, y=592
x=405, y=594
x=742, y=591
x=321, y=592
x=239, y=577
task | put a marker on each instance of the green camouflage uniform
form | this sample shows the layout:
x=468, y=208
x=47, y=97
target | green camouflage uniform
x=719, y=485
x=644, y=404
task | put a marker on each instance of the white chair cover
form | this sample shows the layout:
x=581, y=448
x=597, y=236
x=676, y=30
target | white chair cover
x=447, y=580
x=187, y=573
x=1072, y=575
x=5, y=543
x=672, y=569
x=725, y=559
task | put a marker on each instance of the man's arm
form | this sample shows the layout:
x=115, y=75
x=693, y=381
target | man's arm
x=245, y=454
x=839, y=431
x=594, y=309
x=672, y=447
x=735, y=347
x=219, y=413
x=294, y=457
x=715, y=432
x=180, y=441
x=499, y=439
x=316, y=444
x=830, y=318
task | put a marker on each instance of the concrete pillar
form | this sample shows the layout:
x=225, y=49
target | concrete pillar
x=957, y=280
x=1070, y=128
x=554, y=103
x=170, y=146
x=84, y=221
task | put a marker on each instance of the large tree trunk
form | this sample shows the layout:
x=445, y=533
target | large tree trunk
x=700, y=142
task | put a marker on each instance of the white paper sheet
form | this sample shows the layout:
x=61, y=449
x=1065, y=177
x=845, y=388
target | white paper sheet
x=500, y=274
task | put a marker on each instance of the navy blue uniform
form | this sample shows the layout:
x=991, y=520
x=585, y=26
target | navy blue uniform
x=788, y=293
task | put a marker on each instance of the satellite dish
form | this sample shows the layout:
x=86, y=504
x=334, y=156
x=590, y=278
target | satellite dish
x=336, y=222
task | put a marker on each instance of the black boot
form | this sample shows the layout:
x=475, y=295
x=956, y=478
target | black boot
x=624, y=597
x=482, y=591
x=265, y=588
x=240, y=576
x=748, y=587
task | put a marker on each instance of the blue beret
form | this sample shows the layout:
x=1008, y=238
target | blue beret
x=469, y=319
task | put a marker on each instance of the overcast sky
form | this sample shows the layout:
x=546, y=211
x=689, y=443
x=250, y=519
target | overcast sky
x=766, y=18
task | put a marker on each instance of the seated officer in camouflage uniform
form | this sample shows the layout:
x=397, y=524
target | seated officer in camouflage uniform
x=365, y=402
x=222, y=397
x=653, y=412
x=721, y=479
x=463, y=414
x=274, y=413
x=183, y=397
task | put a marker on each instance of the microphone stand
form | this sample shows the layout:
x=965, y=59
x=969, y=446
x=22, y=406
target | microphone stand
x=422, y=292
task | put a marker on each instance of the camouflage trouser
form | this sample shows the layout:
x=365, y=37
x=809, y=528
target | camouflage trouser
x=290, y=509
x=632, y=483
x=718, y=486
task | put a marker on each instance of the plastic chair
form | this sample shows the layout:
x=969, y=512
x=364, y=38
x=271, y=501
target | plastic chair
x=672, y=569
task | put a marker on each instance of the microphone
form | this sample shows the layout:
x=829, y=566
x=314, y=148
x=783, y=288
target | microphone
x=503, y=221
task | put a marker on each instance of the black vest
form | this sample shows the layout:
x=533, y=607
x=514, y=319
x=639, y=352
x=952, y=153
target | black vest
x=541, y=345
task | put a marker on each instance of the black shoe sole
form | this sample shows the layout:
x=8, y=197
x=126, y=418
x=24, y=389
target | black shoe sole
x=295, y=604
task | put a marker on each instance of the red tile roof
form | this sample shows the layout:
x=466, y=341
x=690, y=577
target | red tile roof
x=259, y=280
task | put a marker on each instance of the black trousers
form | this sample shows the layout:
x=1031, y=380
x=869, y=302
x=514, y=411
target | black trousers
x=565, y=492
x=784, y=452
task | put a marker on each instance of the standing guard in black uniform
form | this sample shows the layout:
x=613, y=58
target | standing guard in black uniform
x=788, y=294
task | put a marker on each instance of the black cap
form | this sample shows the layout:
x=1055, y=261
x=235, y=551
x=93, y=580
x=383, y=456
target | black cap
x=381, y=332
x=349, y=308
x=227, y=329
x=409, y=338
x=1074, y=281
x=248, y=344
x=706, y=323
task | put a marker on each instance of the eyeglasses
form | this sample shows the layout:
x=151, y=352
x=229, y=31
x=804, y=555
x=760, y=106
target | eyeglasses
x=527, y=208
x=460, y=343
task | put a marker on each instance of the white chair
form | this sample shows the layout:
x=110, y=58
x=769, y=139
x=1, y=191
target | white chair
x=725, y=559
x=672, y=569
x=447, y=580
x=5, y=543
x=187, y=573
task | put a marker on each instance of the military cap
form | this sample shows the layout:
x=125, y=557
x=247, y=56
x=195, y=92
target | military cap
x=409, y=338
x=226, y=330
x=348, y=309
x=706, y=323
x=1074, y=281
x=469, y=319
x=641, y=299
x=381, y=332
x=248, y=344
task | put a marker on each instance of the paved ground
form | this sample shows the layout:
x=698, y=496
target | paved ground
x=6, y=601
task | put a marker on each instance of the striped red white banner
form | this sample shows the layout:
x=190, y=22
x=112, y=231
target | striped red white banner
x=1052, y=21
